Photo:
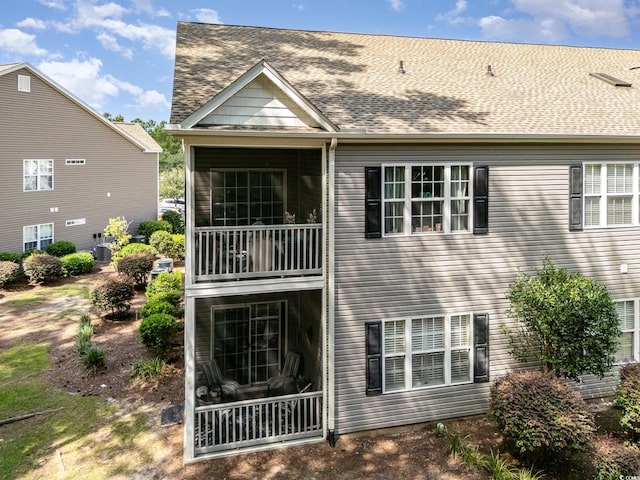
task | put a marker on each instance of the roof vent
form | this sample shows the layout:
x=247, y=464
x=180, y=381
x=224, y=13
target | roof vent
x=616, y=82
x=490, y=72
x=401, y=67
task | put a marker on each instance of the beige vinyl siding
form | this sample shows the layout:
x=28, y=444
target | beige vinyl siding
x=44, y=124
x=411, y=276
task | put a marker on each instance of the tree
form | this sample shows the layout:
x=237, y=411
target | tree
x=569, y=322
x=172, y=183
x=117, y=118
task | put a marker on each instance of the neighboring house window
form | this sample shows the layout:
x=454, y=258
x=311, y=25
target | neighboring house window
x=611, y=194
x=241, y=197
x=427, y=351
x=426, y=199
x=76, y=221
x=38, y=175
x=37, y=236
x=628, y=350
x=246, y=340
x=24, y=83
x=74, y=161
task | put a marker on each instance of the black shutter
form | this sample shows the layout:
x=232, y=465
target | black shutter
x=373, y=202
x=481, y=348
x=575, y=197
x=374, y=357
x=481, y=200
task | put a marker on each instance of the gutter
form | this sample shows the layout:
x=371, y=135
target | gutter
x=330, y=356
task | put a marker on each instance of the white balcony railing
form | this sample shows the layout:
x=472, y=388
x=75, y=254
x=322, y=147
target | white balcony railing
x=257, y=251
x=249, y=423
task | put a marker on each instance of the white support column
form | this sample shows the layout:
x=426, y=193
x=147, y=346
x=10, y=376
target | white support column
x=189, y=378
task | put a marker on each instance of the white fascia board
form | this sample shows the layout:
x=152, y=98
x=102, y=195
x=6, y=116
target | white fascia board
x=261, y=68
x=78, y=102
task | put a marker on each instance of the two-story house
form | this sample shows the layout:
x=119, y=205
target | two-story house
x=357, y=206
x=66, y=170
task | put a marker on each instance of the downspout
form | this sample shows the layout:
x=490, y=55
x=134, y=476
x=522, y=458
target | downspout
x=330, y=286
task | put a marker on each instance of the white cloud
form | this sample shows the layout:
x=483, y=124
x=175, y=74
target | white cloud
x=109, y=42
x=454, y=16
x=396, y=5
x=298, y=6
x=552, y=20
x=152, y=100
x=206, y=15
x=57, y=4
x=17, y=41
x=33, y=23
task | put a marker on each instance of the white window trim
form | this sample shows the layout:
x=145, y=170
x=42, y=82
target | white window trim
x=76, y=221
x=636, y=329
x=446, y=210
x=38, y=237
x=38, y=189
x=409, y=352
x=604, y=195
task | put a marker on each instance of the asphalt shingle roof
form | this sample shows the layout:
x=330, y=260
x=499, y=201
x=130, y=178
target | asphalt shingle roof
x=353, y=79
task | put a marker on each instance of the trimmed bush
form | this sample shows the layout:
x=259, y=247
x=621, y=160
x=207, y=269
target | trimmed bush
x=540, y=416
x=42, y=268
x=61, y=248
x=9, y=272
x=77, y=263
x=628, y=399
x=175, y=220
x=613, y=460
x=137, y=266
x=167, y=244
x=10, y=257
x=130, y=248
x=157, y=331
x=148, y=227
x=155, y=306
x=112, y=297
x=178, y=245
x=28, y=253
x=166, y=287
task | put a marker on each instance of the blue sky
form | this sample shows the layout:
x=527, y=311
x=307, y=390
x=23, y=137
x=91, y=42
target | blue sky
x=117, y=55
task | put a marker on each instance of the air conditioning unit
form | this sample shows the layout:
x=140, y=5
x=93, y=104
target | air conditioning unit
x=103, y=253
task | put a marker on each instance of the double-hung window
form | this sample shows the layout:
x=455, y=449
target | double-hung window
x=426, y=198
x=427, y=351
x=611, y=194
x=37, y=175
x=628, y=350
x=37, y=236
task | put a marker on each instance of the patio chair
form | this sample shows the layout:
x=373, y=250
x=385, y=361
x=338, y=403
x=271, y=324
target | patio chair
x=285, y=380
x=216, y=383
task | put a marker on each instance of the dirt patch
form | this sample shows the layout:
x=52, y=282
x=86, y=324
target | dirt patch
x=416, y=453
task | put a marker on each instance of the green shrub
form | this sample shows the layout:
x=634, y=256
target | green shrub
x=130, y=248
x=166, y=287
x=31, y=251
x=77, y=263
x=9, y=272
x=628, y=399
x=148, y=227
x=157, y=331
x=155, y=306
x=178, y=245
x=10, y=257
x=540, y=416
x=61, y=248
x=83, y=338
x=161, y=240
x=137, y=266
x=149, y=369
x=113, y=296
x=42, y=268
x=93, y=357
x=175, y=220
x=613, y=460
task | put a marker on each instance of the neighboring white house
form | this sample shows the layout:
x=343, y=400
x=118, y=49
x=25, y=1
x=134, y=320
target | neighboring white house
x=423, y=175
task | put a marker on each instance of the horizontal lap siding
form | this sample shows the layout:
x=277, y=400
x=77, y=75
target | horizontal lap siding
x=408, y=276
x=44, y=124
